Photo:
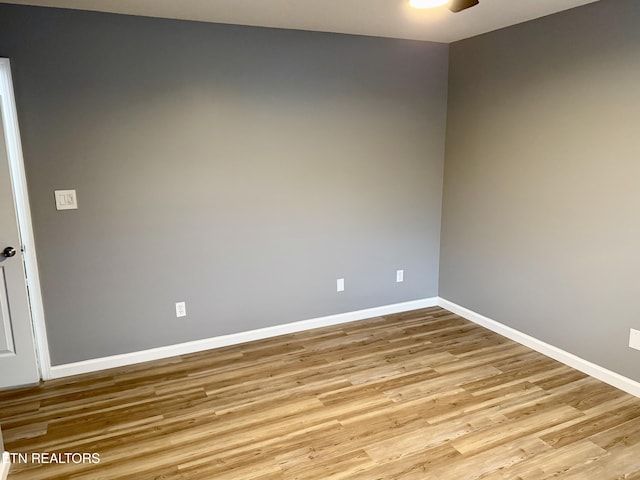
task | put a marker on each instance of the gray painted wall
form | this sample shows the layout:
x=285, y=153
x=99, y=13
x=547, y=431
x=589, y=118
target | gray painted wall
x=542, y=181
x=239, y=169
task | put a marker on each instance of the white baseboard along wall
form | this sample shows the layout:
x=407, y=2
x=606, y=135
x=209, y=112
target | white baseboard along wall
x=96, y=364
x=596, y=371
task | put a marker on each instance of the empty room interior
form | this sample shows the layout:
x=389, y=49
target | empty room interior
x=279, y=240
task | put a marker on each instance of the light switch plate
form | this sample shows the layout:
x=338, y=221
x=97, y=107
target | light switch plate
x=66, y=200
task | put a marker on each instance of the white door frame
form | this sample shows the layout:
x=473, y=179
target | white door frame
x=21, y=196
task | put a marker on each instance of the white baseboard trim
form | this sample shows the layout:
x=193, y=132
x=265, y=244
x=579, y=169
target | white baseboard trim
x=5, y=466
x=612, y=378
x=93, y=365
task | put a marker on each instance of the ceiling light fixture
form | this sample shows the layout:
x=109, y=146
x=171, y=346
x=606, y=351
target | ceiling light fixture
x=427, y=3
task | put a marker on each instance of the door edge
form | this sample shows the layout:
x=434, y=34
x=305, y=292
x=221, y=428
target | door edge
x=25, y=227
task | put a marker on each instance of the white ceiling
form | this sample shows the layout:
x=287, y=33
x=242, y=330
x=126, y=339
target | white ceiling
x=380, y=18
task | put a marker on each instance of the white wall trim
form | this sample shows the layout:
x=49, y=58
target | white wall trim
x=96, y=364
x=612, y=378
x=21, y=196
x=5, y=460
x=5, y=466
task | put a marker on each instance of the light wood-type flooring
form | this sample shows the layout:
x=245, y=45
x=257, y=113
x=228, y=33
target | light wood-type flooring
x=413, y=396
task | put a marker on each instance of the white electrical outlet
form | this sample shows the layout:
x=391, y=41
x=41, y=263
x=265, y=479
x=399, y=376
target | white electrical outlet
x=399, y=276
x=340, y=285
x=181, y=309
x=634, y=339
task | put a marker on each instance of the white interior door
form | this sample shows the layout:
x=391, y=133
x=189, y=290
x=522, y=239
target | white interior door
x=18, y=365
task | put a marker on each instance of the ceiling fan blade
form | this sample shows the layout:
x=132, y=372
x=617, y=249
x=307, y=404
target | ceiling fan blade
x=459, y=5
